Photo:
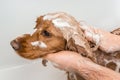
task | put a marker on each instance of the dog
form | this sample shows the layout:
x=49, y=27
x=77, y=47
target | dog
x=56, y=32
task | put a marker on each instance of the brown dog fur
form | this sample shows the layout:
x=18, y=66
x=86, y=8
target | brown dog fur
x=55, y=41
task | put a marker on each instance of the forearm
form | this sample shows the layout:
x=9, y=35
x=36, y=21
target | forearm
x=92, y=71
x=73, y=62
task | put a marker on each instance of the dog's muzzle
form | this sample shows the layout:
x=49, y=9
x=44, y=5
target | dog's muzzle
x=15, y=44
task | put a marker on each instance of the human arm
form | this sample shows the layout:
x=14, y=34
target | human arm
x=73, y=62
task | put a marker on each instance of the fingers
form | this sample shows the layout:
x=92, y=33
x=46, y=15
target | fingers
x=107, y=42
x=91, y=33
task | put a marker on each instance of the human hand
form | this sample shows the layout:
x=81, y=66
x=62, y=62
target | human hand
x=107, y=41
x=73, y=62
x=65, y=60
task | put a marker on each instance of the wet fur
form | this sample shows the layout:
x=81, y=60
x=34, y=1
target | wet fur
x=56, y=42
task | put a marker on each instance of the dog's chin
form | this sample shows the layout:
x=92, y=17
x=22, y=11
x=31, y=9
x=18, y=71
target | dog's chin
x=29, y=55
x=34, y=55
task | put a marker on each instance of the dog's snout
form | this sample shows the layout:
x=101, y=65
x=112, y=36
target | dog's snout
x=15, y=45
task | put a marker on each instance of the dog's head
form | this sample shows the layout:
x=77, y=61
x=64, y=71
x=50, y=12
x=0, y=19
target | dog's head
x=53, y=32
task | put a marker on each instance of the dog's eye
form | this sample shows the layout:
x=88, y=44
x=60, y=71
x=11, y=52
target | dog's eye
x=46, y=33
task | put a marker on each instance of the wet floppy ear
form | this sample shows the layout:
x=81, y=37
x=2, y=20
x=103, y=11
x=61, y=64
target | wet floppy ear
x=38, y=22
x=71, y=46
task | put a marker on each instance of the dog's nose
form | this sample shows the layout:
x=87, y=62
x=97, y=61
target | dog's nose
x=15, y=45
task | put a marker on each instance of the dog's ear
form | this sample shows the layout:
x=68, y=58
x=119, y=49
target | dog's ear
x=38, y=22
x=71, y=46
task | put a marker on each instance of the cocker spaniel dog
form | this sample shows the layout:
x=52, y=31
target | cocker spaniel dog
x=55, y=32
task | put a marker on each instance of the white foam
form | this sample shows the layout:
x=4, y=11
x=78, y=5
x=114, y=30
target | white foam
x=69, y=27
x=84, y=25
x=36, y=43
x=95, y=37
x=42, y=45
x=47, y=17
x=88, y=34
x=60, y=23
x=118, y=66
x=39, y=43
x=50, y=17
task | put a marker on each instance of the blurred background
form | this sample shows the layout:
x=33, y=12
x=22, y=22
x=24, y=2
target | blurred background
x=19, y=16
